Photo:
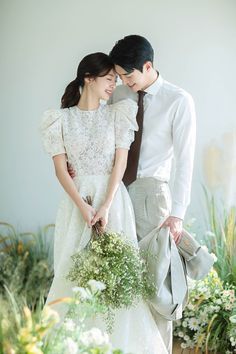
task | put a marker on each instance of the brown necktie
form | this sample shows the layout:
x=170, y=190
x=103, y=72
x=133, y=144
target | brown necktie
x=134, y=152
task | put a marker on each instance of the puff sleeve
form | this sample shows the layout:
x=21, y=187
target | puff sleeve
x=125, y=122
x=51, y=132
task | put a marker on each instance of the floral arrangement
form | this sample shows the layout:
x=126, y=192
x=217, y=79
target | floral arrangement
x=110, y=259
x=25, y=332
x=209, y=321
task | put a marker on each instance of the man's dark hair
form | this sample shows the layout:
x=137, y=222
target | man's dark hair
x=132, y=52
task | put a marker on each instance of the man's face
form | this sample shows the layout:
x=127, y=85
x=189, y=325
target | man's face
x=135, y=80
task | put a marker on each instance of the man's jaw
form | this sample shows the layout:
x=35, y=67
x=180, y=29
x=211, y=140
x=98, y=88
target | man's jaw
x=133, y=87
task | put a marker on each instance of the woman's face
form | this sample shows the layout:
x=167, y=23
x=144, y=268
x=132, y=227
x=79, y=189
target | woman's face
x=104, y=86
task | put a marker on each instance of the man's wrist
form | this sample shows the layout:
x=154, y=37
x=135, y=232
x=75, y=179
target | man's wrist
x=176, y=217
x=178, y=211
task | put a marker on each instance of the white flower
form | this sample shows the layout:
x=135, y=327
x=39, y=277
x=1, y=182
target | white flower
x=94, y=337
x=233, y=341
x=193, y=324
x=190, y=306
x=183, y=345
x=184, y=324
x=180, y=334
x=214, y=257
x=190, y=344
x=228, y=307
x=69, y=324
x=233, y=319
x=96, y=285
x=210, y=234
x=203, y=316
x=71, y=346
x=84, y=294
x=218, y=302
x=186, y=337
x=211, y=309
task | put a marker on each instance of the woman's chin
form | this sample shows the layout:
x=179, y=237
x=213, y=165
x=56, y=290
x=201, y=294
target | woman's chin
x=105, y=97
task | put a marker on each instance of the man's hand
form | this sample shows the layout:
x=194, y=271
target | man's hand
x=70, y=170
x=176, y=227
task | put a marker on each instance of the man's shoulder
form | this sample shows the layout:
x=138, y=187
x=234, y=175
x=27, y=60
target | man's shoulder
x=176, y=92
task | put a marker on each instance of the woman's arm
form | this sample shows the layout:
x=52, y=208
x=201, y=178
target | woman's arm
x=67, y=183
x=114, y=182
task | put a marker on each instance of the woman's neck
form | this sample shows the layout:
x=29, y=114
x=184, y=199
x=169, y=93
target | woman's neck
x=88, y=102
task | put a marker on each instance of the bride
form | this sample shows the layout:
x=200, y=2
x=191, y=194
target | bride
x=94, y=139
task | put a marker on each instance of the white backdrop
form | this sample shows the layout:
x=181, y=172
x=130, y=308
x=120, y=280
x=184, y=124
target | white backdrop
x=41, y=45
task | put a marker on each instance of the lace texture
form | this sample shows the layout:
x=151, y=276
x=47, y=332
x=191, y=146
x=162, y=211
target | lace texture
x=89, y=138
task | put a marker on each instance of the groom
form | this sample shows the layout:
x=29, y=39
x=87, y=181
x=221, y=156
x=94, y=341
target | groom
x=166, y=119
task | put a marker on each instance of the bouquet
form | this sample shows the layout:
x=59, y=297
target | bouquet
x=115, y=262
x=209, y=321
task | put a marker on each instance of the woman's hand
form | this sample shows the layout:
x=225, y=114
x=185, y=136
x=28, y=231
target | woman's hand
x=102, y=217
x=88, y=213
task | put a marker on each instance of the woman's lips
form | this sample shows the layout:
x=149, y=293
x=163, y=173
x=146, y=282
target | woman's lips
x=109, y=92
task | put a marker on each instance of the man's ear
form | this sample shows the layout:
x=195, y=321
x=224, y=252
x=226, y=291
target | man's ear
x=147, y=66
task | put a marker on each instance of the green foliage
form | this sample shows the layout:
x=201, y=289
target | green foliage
x=25, y=266
x=221, y=238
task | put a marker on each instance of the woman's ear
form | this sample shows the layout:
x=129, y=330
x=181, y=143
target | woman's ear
x=88, y=80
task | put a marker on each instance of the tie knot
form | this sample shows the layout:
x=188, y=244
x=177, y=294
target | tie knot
x=141, y=94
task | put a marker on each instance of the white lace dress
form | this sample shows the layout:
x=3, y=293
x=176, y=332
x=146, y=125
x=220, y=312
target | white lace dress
x=89, y=139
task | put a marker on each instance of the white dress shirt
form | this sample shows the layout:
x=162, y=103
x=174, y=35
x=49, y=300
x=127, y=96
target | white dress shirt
x=169, y=129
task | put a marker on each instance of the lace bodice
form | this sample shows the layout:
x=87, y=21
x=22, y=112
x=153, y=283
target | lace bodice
x=89, y=138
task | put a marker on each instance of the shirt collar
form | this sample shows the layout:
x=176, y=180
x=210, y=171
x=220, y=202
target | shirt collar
x=155, y=86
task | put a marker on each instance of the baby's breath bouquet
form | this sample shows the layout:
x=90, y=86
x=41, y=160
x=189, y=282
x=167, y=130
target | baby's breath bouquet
x=115, y=262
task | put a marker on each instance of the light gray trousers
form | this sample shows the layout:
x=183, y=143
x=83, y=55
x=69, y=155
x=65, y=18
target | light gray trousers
x=152, y=203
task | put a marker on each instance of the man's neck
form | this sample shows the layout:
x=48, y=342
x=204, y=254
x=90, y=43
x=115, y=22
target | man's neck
x=152, y=77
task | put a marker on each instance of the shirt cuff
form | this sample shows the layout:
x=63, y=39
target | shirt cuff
x=178, y=211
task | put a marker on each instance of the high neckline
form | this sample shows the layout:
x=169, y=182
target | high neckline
x=87, y=111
